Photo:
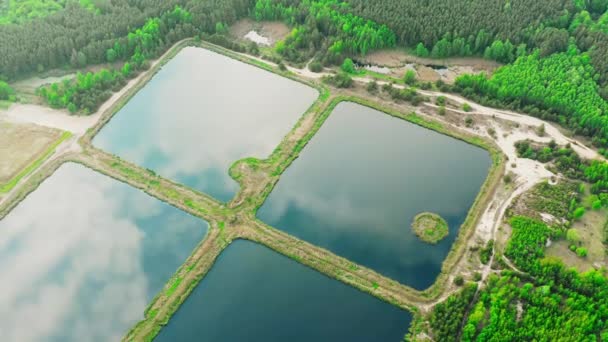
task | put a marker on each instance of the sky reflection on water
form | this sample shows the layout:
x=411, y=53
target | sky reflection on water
x=358, y=184
x=201, y=113
x=81, y=257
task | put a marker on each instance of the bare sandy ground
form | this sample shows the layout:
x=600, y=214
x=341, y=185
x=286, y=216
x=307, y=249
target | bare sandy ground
x=31, y=84
x=398, y=60
x=274, y=31
x=399, y=57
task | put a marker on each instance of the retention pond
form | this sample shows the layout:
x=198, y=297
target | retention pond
x=358, y=184
x=83, y=255
x=202, y=112
x=254, y=294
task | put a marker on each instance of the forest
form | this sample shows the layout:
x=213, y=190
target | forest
x=18, y=11
x=544, y=302
x=429, y=21
x=556, y=303
x=326, y=27
x=560, y=87
x=51, y=42
x=85, y=93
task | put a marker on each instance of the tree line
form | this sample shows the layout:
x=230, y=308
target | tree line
x=75, y=36
x=548, y=303
x=18, y=11
x=475, y=23
x=86, y=92
x=557, y=303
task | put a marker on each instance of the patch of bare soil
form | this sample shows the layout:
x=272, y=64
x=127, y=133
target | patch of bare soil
x=452, y=67
x=31, y=84
x=426, y=74
x=20, y=145
x=398, y=57
x=273, y=30
x=590, y=229
x=561, y=251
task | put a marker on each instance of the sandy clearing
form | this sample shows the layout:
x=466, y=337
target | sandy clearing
x=272, y=31
x=523, y=120
x=45, y=116
x=31, y=84
x=399, y=57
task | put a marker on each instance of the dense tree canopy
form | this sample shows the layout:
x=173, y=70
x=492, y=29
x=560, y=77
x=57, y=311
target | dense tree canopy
x=86, y=92
x=548, y=303
x=557, y=304
x=18, y=11
x=479, y=22
x=77, y=33
x=324, y=25
x=559, y=87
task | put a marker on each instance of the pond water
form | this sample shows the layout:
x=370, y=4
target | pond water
x=254, y=294
x=83, y=255
x=358, y=184
x=202, y=112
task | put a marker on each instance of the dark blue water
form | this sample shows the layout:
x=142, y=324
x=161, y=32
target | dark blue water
x=358, y=184
x=254, y=294
x=201, y=113
x=83, y=255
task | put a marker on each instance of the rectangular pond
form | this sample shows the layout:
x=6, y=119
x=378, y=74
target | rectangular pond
x=83, y=255
x=358, y=184
x=202, y=112
x=254, y=294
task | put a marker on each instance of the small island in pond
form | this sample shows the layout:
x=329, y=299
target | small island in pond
x=429, y=227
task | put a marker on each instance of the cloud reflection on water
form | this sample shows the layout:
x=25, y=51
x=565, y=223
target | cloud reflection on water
x=202, y=112
x=358, y=184
x=73, y=258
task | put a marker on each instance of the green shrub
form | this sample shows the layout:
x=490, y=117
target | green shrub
x=315, y=66
x=410, y=77
x=372, y=87
x=348, y=66
x=578, y=213
x=572, y=235
x=581, y=252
